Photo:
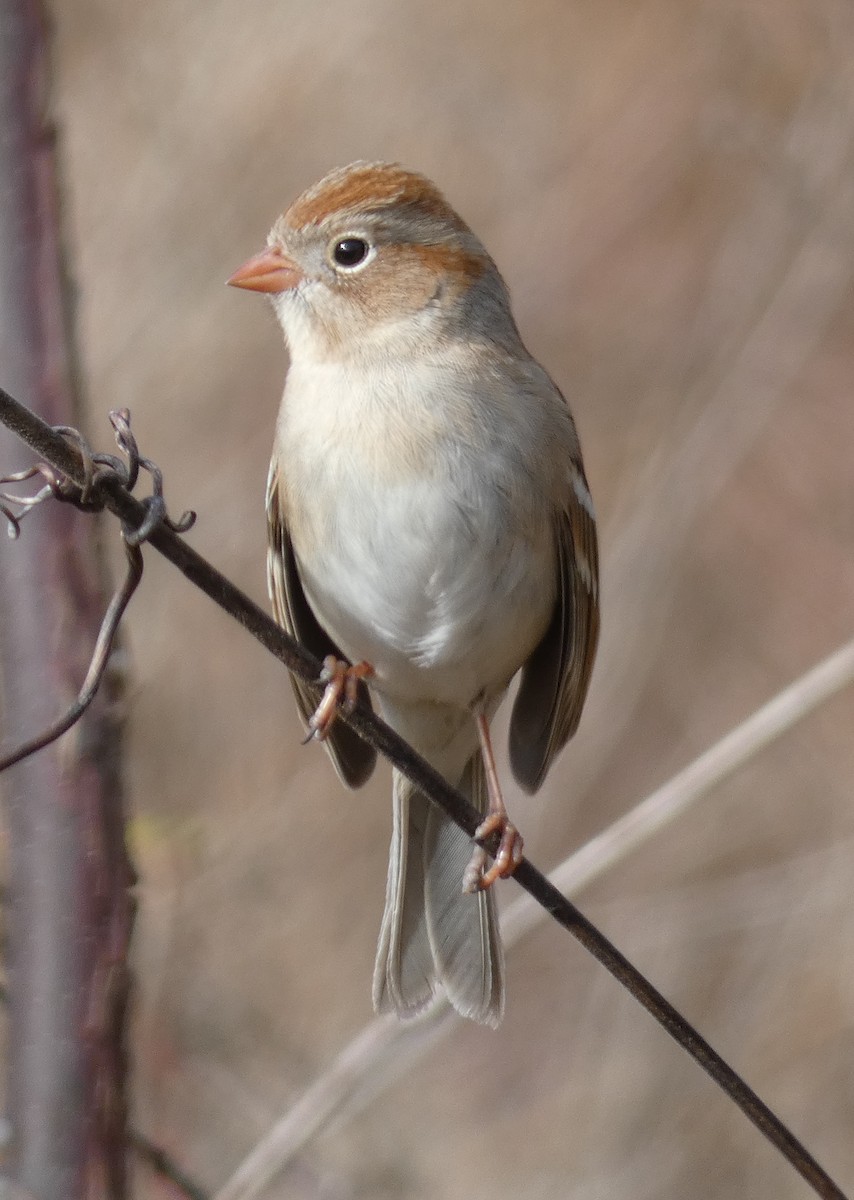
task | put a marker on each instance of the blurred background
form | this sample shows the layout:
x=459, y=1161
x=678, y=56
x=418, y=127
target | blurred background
x=668, y=187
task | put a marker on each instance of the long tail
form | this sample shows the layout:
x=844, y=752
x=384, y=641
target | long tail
x=431, y=932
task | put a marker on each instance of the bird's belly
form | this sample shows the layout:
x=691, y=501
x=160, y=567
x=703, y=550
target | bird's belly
x=445, y=603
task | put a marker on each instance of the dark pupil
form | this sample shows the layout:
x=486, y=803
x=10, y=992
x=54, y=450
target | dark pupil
x=350, y=251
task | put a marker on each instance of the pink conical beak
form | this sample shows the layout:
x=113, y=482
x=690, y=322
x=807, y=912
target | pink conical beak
x=269, y=271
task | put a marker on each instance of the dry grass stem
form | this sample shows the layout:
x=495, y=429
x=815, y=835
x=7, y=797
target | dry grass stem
x=385, y=1048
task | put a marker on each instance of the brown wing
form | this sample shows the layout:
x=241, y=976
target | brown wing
x=555, y=678
x=354, y=759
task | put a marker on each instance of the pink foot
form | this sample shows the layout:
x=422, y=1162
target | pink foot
x=342, y=686
x=477, y=877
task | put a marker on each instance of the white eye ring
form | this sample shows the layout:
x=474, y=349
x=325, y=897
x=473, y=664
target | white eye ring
x=350, y=253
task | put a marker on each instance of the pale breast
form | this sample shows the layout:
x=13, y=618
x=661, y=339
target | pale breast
x=423, y=547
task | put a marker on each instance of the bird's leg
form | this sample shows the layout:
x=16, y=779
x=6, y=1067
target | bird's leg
x=477, y=877
x=342, y=688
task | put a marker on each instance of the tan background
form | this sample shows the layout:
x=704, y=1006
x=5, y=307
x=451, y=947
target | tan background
x=669, y=188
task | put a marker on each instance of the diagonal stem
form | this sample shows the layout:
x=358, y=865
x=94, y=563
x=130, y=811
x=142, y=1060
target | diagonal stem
x=386, y=1048
x=379, y=735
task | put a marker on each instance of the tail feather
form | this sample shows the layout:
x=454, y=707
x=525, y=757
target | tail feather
x=403, y=976
x=432, y=934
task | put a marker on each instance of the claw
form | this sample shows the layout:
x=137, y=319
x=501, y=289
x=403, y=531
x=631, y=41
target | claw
x=342, y=690
x=477, y=877
x=509, y=849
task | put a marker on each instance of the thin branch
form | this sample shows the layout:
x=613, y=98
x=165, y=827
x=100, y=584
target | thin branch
x=97, y=666
x=379, y=735
x=96, y=469
x=385, y=1048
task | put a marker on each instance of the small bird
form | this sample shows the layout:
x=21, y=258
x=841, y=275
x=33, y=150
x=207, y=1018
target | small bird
x=431, y=533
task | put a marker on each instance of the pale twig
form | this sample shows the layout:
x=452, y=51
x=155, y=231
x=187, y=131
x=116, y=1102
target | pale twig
x=383, y=1049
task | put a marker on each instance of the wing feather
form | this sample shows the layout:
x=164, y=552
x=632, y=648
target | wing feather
x=556, y=677
x=354, y=759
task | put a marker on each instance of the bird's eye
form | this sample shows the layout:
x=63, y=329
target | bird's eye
x=350, y=252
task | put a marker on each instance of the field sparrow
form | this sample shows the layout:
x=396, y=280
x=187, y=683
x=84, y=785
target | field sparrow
x=430, y=522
